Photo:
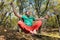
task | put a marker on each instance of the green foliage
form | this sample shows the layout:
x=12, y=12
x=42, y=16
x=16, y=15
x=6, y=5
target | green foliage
x=52, y=21
x=14, y=22
x=40, y=6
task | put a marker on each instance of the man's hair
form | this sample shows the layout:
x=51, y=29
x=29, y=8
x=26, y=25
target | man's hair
x=27, y=11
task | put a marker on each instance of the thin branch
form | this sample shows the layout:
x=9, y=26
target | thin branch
x=46, y=7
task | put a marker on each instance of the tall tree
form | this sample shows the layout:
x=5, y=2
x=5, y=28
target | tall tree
x=38, y=5
x=20, y=5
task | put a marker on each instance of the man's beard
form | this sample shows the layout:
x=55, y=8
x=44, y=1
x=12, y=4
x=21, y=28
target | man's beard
x=27, y=15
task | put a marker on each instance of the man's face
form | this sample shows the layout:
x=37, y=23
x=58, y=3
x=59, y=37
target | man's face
x=28, y=13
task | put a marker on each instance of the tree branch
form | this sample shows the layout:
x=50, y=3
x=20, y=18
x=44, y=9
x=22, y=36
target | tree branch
x=46, y=7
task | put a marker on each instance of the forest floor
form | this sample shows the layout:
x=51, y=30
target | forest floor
x=6, y=34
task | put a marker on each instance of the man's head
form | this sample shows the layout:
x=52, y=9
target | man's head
x=28, y=13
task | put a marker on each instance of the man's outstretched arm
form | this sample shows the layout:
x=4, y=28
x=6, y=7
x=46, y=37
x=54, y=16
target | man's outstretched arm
x=19, y=16
x=46, y=17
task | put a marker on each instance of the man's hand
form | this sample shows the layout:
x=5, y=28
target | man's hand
x=14, y=10
x=46, y=17
x=12, y=4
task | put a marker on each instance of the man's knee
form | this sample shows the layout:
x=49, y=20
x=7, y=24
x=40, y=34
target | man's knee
x=39, y=22
x=20, y=22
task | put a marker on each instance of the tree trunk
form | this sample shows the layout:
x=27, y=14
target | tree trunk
x=38, y=6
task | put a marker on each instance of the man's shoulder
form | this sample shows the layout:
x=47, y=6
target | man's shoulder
x=23, y=16
x=32, y=17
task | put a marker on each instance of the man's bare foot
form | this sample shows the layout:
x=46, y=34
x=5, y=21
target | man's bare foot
x=33, y=32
